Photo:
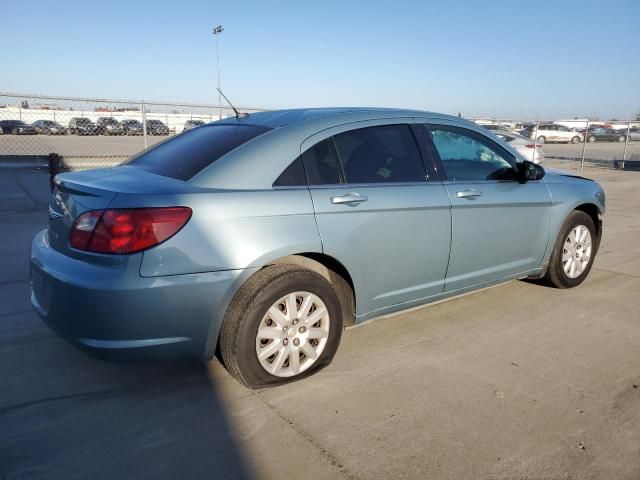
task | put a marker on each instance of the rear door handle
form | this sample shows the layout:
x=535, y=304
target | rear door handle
x=471, y=194
x=349, y=198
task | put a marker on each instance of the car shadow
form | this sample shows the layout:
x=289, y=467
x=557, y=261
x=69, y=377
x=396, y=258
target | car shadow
x=66, y=415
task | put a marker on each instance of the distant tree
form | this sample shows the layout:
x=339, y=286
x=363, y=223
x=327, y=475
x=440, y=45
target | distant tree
x=638, y=116
x=614, y=120
x=24, y=104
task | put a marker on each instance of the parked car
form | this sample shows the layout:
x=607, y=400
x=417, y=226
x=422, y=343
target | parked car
x=524, y=146
x=189, y=124
x=551, y=132
x=82, y=126
x=49, y=127
x=132, y=127
x=605, y=135
x=156, y=127
x=262, y=236
x=16, y=127
x=109, y=126
x=634, y=134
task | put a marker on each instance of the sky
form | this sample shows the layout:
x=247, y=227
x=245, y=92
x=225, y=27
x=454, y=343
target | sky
x=501, y=58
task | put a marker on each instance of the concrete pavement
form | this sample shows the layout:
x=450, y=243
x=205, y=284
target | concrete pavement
x=517, y=381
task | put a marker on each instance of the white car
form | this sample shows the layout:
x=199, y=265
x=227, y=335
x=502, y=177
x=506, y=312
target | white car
x=552, y=132
x=525, y=146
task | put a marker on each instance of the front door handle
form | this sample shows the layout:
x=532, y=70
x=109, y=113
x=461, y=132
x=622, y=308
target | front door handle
x=471, y=194
x=349, y=198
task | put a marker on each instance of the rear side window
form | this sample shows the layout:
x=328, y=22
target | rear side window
x=321, y=164
x=382, y=154
x=183, y=156
x=292, y=176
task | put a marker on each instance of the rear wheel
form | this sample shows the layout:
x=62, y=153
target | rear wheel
x=592, y=139
x=284, y=324
x=573, y=252
x=621, y=138
x=541, y=139
x=575, y=139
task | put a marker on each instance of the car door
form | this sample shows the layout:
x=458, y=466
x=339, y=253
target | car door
x=500, y=227
x=378, y=213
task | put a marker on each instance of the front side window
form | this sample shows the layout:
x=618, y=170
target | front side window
x=383, y=154
x=469, y=156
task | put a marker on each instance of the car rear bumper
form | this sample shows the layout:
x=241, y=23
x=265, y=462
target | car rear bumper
x=114, y=313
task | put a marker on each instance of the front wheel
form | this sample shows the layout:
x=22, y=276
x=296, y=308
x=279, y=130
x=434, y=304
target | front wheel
x=575, y=140
x=592, y=139
x=574, y=251
x=621, y=138
x=284, y=324
x=541, y=139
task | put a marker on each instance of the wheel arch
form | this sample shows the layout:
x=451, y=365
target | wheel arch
x=594, y=212
x=334, y=271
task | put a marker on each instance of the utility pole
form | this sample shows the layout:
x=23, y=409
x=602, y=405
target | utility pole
x=216, y=33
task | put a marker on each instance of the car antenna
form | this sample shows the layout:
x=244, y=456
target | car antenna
x=238, y=114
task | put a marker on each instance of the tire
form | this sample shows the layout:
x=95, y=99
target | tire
x=592, y=139
x=239, y=342
x=575, y=140
x=541, y=139
x=621, y=138
x=556, y=273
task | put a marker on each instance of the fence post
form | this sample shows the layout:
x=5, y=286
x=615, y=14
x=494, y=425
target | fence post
x=584, y=146
x=535, y=142
x=144, y=123
x=626, y=142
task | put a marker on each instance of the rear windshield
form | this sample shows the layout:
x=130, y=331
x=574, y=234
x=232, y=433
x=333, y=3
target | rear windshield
x=187, y=154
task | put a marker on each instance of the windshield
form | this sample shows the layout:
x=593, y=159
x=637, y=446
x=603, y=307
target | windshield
x=185, y=155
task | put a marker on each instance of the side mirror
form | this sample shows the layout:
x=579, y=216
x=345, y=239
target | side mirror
x=529, y=171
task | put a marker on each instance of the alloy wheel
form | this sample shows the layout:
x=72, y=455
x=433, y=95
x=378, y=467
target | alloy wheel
x=576, y=252
x=292, y=334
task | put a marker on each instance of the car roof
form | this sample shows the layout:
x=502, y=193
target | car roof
x=282, y=118
x=289, y=130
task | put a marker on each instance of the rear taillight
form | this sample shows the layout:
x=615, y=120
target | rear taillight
x=126, y=230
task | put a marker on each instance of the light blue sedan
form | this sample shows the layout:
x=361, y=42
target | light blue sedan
x=263, y=236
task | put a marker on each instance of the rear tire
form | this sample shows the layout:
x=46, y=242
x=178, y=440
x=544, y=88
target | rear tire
x=541, y=139
x=575, y=140
x=621, y=138
x=592, y=139
x=259, y=320
x=569, y=249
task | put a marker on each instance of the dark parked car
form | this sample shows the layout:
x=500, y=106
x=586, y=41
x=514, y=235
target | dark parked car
x=605, y=135
x=156, y=127
x=109, y=126
x=189, y=124
x=49, y=127
x=82, y=126
x=16, y=127
x=132, y=127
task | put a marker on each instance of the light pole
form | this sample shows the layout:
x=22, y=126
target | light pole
x=216, y=32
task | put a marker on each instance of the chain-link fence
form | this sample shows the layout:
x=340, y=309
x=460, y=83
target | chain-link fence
x=91, y=132
x=610, y=143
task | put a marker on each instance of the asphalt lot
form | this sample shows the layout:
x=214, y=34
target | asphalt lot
x=520, y=381
x=121, y=147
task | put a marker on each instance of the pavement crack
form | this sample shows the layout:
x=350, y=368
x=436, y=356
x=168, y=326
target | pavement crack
x=314, y=443
x=630, y=275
